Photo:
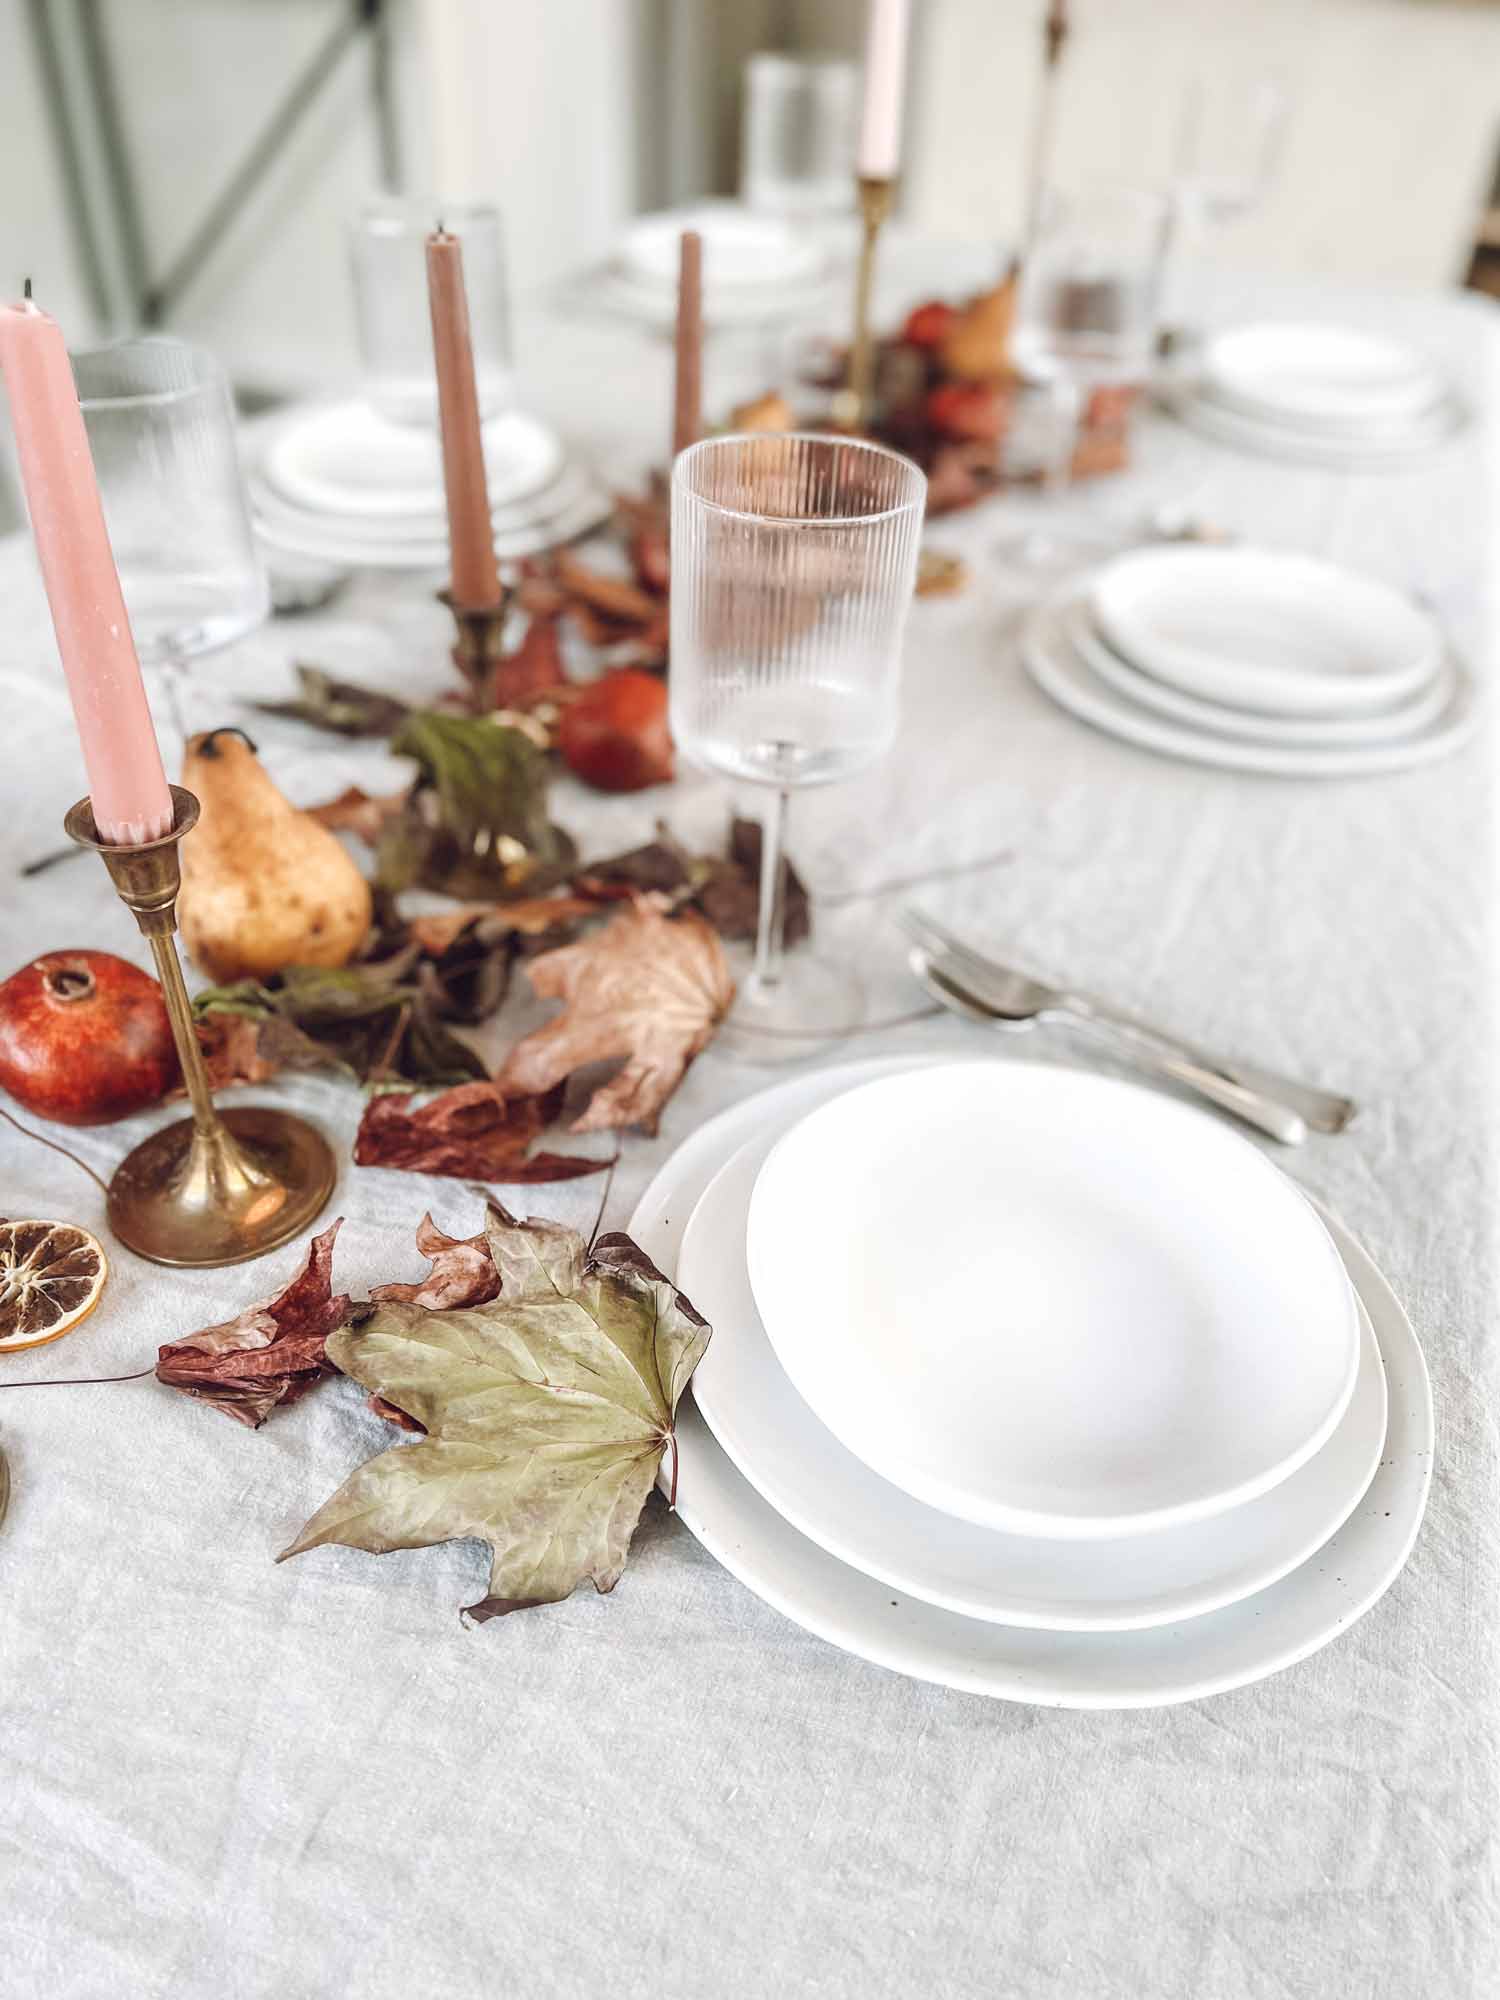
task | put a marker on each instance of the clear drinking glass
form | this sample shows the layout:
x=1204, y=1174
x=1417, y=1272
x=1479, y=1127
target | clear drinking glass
x=388, y=253
x=160, y=423
x=1231, y=129
x=1086, y=318
x=793, y=564
x=797, y=151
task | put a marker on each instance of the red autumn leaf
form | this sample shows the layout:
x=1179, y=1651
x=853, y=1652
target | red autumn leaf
x=270, y=1353
x=647, y=990
x=462, y=1272
x=473, y=1132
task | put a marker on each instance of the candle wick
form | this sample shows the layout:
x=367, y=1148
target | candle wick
x=26, y=288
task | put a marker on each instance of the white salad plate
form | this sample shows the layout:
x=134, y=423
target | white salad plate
x=740, y=250
x=1059, y=669
x=1048, y=1301
x=1383, y=447
x=1276, y=634
x=1395, y=724
x=1083, y=1586
x=1327, y=375
x=1186, y=1661
x=343, y=459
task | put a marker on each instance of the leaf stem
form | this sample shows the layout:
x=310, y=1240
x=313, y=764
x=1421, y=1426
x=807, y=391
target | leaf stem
x=949, y=872
x=77, y=1381
x=672, y=1489
x=53, y=1146
x=609, y=1181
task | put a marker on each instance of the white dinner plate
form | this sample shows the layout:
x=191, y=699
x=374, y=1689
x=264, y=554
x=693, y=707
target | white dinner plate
x=416, y=540
x=1386, y=449
x=1081, y=1586
x=1384, y=725
x=1331, y=375
x=1276, y=634
x=1049, y=1301
x=1170, y=1663
x=585, y=509
x=342, y=459
x=1061, y=672
x=741, y=251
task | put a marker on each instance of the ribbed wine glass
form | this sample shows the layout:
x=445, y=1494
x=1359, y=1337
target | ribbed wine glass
x=794, y=558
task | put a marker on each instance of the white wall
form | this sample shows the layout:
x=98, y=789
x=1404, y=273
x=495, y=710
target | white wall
x=1396, y=118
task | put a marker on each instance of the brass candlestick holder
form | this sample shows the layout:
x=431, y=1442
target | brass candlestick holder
x=219, y=1187
x=478, y=650
x=853, y=404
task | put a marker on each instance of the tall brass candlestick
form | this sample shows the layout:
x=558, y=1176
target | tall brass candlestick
x=852, y=407
x=219, y=1187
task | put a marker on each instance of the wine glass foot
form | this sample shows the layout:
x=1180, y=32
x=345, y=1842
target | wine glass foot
x=1058, y=548
x=813, y=1002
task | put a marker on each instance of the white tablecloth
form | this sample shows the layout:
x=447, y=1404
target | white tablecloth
x=227, y=1778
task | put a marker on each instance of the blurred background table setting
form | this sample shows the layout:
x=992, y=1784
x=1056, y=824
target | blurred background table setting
x=792, y=709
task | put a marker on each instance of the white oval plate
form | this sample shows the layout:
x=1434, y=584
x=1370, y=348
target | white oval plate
x=1386, y=451
x=1061, y=672
x=1078, y=1586
x=1048, y=1301
x=1386, y=725
x=342, y=458
x=1320, y=374
x=739, y=249
x=585, y=511
x=1170, y=1663
x=1277, y=634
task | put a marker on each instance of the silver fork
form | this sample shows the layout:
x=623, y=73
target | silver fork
x=1000, y=996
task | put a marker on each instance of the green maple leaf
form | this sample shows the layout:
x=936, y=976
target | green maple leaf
x=548, y=1411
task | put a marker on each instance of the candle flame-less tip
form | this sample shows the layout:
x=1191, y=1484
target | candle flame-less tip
x=26, y=288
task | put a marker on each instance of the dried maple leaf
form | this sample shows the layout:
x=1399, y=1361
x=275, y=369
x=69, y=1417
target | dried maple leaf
x=648, y=989
x=533, y=917
x=548, y=1413
x=462, y=1272
x=270, y=1353
x=613, y=597
x=533, y=670
x=474, y=1132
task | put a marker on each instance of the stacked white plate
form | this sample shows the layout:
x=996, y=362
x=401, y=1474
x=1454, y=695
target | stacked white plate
x=1036, y=1384
x=1252, y=661
x=756, y=268
x=335, y=482
x=1325, y=395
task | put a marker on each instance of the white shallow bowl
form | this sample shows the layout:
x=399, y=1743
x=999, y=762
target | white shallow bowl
x=1276, y=634
x=1066, y=677
x=740, y=250
x=1319, y=374
x=1396, y=724
x=1150, y=1669
x=1048, y=1301
x=1081, y=1586
x=344, y=459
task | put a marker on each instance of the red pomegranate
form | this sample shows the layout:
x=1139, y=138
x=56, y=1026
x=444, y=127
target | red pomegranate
x=614, y=734
x=84, y=1038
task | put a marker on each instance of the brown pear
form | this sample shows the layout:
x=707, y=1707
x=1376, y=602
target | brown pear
x=263, y=885
x=976, y=347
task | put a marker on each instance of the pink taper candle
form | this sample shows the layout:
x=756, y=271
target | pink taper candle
x=127, y=784
x=886, y=28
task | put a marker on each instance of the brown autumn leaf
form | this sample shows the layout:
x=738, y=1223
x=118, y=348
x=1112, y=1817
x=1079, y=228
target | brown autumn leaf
x=462, y=1272
x=549, y=1410
x=473, y=1132
x=532, y=917
x=614, y=598
x=535, y=669
x=270, y=1353
x=357, y=811
x=647, y=990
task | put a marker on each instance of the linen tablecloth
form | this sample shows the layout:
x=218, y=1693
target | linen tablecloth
x=230, y=1778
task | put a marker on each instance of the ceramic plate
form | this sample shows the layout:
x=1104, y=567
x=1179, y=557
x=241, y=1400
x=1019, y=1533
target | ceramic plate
x=1061, y=672
x=1082, y=1586
x=1384, y=725
x=342, y=459
x=1320, y=374
x=1048, y=1301
x=739, y=250
x=1276, y=634
x=1170, y=1663
x=581, y=513
x=1388, y=450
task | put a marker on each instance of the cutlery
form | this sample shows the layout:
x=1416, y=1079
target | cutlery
x=999, y=996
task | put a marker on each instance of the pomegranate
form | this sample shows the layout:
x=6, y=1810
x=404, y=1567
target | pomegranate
x=614, y=733
x=84, y=1038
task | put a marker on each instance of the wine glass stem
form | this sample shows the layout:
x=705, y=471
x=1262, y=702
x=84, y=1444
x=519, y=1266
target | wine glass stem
x=770, y=924
x=1067, y=411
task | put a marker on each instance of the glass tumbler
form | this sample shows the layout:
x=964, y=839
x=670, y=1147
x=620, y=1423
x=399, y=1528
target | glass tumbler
x=388, y=253
x=161, y=428
x=797, y=151
x=794, y=560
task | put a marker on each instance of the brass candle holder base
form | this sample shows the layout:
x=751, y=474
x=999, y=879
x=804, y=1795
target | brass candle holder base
x=853, y=406
x=478, y=648
x=214, y=1188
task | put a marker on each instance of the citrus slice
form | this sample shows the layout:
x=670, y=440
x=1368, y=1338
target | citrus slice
x=51, y=1275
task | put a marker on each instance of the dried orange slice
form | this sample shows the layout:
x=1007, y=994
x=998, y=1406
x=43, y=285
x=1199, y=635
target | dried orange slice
x=51, y=1275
